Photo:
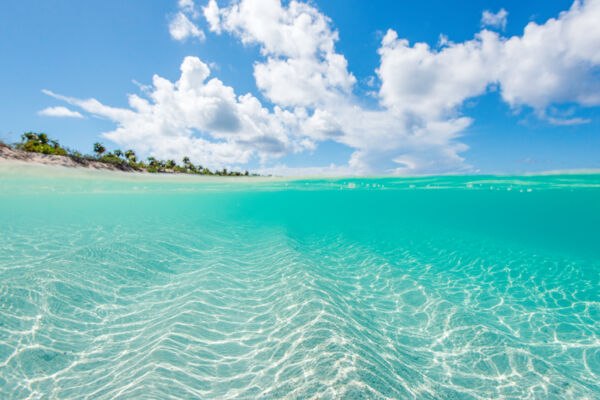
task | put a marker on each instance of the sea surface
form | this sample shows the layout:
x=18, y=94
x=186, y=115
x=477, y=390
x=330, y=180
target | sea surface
x=125, y=286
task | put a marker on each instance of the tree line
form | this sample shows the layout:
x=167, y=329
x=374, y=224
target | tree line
x=125, y=160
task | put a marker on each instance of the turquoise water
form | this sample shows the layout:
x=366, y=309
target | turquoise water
x=121, y=286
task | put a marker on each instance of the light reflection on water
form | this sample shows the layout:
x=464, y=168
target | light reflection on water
x=178, y=287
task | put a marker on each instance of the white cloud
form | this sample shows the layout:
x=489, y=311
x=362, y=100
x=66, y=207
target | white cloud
x=198, y=117
x=213, y=16
x=188, y=7
x=497, y=20
x=181, y=28
x=430, y=84
x=568, y=121
x=416, y=126
x=556, y=62
x=562, y=117
x=298, y=30
x=301, y=67
x=59, y=112
x=304, y=82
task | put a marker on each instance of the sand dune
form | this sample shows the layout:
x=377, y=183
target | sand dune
x=8, y=154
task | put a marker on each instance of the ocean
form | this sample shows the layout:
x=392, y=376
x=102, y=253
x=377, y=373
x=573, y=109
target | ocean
x=124, y=286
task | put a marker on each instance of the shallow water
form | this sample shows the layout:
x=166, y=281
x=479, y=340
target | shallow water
x=127, y=286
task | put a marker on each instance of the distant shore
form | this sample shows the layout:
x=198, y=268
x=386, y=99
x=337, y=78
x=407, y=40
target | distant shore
x=40, y=149
x=8, y=154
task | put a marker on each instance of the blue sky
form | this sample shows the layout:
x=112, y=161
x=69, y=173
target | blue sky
x=333, y=86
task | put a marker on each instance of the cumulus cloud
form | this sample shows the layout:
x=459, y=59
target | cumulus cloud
x=497, y=20
x=415, y=127
x=59, y=112
x=428, y=83
x=301, y=66
x=182, y=28
x=180, y=25
x=302, y=69
x=556, y=62
x=198, y=117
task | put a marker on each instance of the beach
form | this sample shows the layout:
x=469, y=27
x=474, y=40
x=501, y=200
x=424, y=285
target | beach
x=10, y=155
x=300, y=200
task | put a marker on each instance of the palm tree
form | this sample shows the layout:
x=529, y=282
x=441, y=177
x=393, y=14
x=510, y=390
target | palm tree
x=99, y=149
x=43, y=138
x=170, y=164
x=118, y=153
x=188, y=164
x=130, y=155
x=29, y=136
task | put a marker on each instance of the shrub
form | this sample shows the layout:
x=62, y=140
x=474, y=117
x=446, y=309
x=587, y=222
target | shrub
x=39, y=143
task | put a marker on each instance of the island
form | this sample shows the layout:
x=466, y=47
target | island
x=39, y=148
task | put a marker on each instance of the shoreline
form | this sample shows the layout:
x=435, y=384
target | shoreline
x=14, y=162
x=10, y=155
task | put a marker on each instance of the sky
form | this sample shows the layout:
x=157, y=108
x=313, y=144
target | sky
x=310, y=87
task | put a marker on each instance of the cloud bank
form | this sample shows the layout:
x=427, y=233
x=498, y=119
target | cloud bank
x=414, y=129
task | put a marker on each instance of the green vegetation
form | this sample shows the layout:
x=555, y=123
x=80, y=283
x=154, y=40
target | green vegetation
x=40, y=143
